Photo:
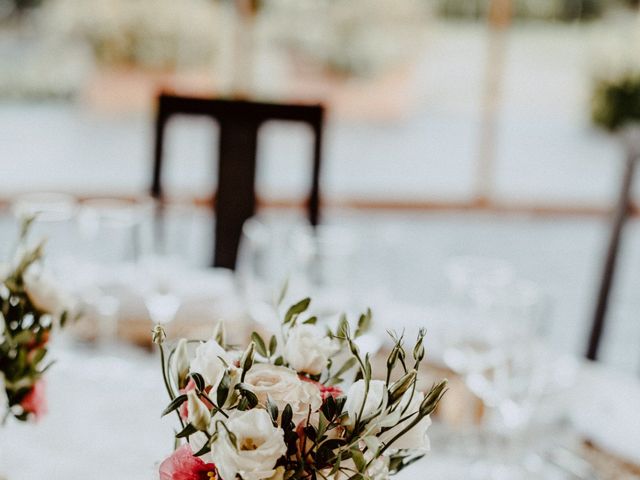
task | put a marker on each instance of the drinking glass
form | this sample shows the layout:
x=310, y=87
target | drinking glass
x=493, y=343
x=54, y=222
x=323, y=266
x=111, y=237
x=157, y=280
x=262, y=268
x=180, y=231
x=170, y=251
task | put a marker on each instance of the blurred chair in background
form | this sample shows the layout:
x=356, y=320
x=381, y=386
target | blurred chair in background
x=239, y=123
x=631, y=139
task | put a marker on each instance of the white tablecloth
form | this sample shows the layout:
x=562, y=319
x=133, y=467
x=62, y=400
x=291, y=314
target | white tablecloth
x=104, y=422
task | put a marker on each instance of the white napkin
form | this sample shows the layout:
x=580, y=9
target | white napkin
x=606, y=410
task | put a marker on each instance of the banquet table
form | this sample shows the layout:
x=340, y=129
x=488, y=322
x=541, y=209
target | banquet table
x=104, y=420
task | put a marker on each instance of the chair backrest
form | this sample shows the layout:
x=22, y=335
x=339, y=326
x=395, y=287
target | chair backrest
x=239, y=123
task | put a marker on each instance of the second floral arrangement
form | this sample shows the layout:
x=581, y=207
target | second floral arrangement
x=299, y=405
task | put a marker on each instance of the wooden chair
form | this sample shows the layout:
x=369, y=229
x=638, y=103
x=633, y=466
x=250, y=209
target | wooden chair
x=631, y=138
x=239, y=123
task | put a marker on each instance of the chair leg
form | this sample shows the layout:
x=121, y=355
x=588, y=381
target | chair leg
x=611, y=259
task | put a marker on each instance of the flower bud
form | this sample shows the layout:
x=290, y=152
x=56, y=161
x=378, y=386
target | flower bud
x=158, y=335
x=219, y=334
x=181, y=362
x=430, y=401
x=418, y=350
x=199, y=415
x=246, y=362
x=401, y=386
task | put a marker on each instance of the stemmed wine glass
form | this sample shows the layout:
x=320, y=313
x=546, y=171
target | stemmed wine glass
x=262, y=269
x=492, y=343
x=110, y=229
x=323, y=265
x=166, y=259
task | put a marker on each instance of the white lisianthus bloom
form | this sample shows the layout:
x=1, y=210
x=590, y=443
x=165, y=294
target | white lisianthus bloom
x=376, y=398
x=416, y=438
x=258, y=448
x=199, y=415
x=283, y=386
x=209, y=363
x=181, y=360
x=44, y=293
x=307, y=349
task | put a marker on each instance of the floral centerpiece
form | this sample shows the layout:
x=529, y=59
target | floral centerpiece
x=301, y=405
x=30, y=308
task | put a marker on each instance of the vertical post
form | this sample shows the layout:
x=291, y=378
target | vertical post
x=631, y=139
x=314, y=197
x=499, y=19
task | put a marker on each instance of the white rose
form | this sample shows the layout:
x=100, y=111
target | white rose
x=376, y=398
x=208, y=363
x=283, y=386
x=416, y=438
x=45, y=294
x=258, y=448
x=307, y=349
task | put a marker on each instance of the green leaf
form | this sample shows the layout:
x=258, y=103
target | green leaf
x=273, y=345
x=343, y=327
x=358, y=459
x=198, y=380
x=311, y=321
x=283, y=292
x=260, y=346
x=223, y=389
x=272, y=408
x=323, y=423
x=336, y=466
x=347, y=365
x=287, y=416
x=243, y=404
x=175, y=404
x=39, y=355
x=364, y=322
x=245, y=391
x=206, y=448
x=296, y=310
x=63, y=318
x=186, y=431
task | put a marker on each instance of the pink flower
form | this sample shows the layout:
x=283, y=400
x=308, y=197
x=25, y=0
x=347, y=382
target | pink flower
x=184, y=408
x=35, y=401
x=325, y=390
x=182, y=465
x=329, y=391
